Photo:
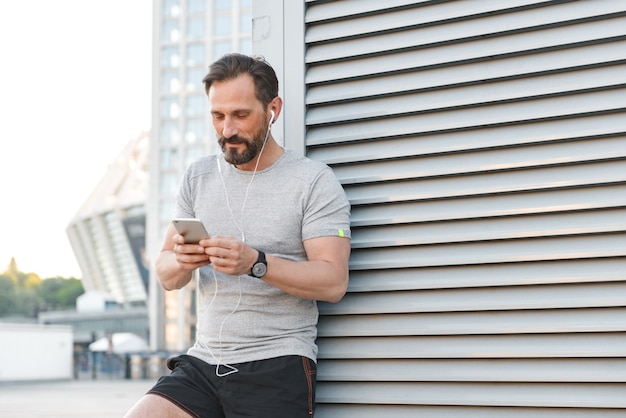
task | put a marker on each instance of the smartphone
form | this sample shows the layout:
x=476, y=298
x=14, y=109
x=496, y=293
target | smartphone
x=191, y=228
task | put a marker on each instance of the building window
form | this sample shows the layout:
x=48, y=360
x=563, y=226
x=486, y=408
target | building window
x=171, y=8
x=245, y=22
x=195, y=131
x=245, y=46
x=169, y=132
x=193, y=153
x=196, y=6
x=169, y=183
x=195, y=27
x=195, y=105
x=171, y=31
x=170, y=82
x=195, y=54
x=170, y=57
x=168, y=159
x=166, y=211
x=194, y=79
x=221, y=48
x=221, y=5
x=221, y=25
x=169, y=108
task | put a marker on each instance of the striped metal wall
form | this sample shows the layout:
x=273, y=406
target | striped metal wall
x=482, y=145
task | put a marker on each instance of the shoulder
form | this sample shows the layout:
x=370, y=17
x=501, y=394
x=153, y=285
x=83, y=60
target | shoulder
x=312, y=175
x=304, y=165
x=202, y=166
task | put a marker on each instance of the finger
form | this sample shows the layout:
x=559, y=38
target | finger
x=188, y=249
x=223, y=241
x=216, y=261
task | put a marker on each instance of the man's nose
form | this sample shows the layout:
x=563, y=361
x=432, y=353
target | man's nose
x=229, y=128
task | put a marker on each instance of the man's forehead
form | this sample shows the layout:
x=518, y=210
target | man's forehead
x=242, y=83
x=234, y=94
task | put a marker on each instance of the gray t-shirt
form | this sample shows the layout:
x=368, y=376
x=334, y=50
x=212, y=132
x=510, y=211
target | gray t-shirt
x=241, y=318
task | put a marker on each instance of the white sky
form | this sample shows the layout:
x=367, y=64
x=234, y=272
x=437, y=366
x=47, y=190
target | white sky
x=75, y=86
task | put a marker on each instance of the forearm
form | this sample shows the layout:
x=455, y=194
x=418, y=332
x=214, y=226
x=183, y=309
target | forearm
x=323, y=276
x=316, y=280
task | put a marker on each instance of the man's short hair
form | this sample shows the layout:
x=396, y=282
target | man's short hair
x=231, y=66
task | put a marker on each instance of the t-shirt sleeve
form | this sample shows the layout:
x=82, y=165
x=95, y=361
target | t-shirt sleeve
x=184, y=198
x=327, y=212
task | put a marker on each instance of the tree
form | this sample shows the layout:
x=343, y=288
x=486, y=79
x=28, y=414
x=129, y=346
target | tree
x=27, y=294
x=32, y=281
x=12, y=272
x=7, y=295
x=60, y=293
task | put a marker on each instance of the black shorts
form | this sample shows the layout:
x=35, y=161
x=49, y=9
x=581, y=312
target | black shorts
x=277, y=387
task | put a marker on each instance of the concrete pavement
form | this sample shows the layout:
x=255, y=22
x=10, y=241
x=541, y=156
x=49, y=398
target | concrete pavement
x=70, y=399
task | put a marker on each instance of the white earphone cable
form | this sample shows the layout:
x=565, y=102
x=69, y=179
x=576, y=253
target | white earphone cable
x=243, y=239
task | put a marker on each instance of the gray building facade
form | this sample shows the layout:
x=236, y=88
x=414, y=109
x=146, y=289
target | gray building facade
x=187, y=36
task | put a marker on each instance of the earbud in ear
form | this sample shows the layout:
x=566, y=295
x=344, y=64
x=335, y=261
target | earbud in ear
x=272, y=119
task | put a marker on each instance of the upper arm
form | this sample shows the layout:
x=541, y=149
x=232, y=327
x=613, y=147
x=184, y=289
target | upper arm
x=332, y=249
x=334, y=252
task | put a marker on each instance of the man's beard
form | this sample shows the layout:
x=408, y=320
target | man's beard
x=233, y=156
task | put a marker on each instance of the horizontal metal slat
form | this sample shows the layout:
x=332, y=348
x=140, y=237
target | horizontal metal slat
x=526, y=89
x=597, y=395
x=486, y=160
x=486, y=229
x=505, y=251
x=575, y=345
x=348, y=19
x=405, y=29
x=454, y=277
x=483, y=116
x=320, y=11
x=513, y=67
x=593, y=295
x=464, y=323
x=553, y=201
x=429, y=411
x=473, y=370
x=409, y=143
x=475, y=50
x=560, y=177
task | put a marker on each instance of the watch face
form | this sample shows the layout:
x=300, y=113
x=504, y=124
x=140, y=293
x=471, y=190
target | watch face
x=259, y=269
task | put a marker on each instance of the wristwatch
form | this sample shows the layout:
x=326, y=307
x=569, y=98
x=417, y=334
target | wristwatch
x=259, y=268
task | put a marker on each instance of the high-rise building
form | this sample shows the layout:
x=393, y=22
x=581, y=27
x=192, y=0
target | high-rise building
x=187, y=36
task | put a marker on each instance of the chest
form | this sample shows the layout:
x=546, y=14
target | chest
x=263, y=211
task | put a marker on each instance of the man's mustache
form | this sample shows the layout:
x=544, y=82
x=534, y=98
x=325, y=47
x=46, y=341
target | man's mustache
x=233, y=140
